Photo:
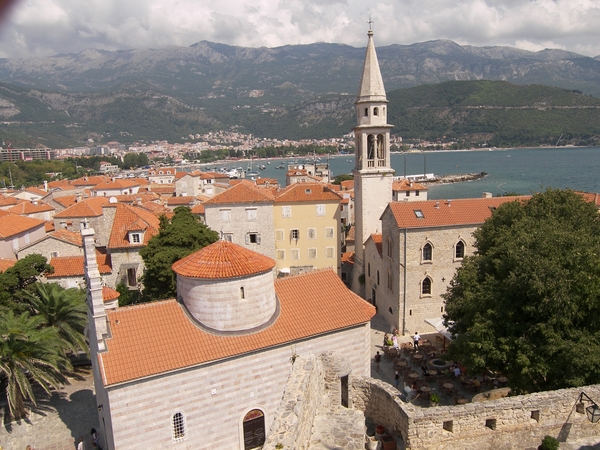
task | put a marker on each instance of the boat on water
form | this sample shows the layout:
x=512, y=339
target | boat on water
x=280, y=166
x=262, y=167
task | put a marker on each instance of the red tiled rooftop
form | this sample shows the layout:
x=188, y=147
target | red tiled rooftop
x=159, y=337
x=8, y=201
x=71, y=237
x=307, y=192
x=6, y=264
x=243, y=192
x=468, y=211
x=109, y=294
x=117, y=184
x=12, y=224
x=72, y=266
x=406, y=185
x=28, y=207
x=90, y=207
x=223, y=260
x=127, y=216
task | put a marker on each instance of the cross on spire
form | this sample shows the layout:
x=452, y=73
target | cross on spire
x=370, y=22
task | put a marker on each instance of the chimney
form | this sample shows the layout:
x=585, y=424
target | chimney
x=486, y=195
x=78, y=197
x=35, y=202
x=45, y=186
x=449, y=202
x=437, y=205
x=138, y=201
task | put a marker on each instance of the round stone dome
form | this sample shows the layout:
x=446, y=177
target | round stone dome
x=227, y=287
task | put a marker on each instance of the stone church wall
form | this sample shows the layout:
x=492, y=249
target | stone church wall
x=215, y=397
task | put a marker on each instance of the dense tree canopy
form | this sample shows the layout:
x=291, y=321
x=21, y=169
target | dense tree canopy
x=527, y=304
x=179, y=237
x=16, y=280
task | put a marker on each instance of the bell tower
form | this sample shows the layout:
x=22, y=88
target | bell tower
x=373, y=173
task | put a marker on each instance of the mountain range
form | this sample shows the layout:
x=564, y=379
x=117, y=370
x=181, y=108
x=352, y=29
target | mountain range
x=169, y=93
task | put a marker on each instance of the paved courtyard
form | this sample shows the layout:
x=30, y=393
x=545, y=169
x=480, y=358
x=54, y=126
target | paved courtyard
x=57, y=420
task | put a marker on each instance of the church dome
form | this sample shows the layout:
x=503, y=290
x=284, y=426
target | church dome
x=227, y=288
x=223, y=260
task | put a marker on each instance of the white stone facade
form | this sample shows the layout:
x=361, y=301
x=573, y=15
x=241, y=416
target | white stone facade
x=214, y=398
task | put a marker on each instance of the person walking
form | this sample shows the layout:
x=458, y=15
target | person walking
x=94, y=434
x=416, y=339
x=81, y=445
x=377, y=363
x=396, y=379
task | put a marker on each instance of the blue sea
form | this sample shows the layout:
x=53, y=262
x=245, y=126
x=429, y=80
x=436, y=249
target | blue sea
x=524, y=171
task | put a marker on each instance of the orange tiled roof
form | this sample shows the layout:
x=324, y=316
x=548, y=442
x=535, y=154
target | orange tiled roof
x=307, y=192
x=49, y=226
x=66, y=201
x=133, y=198
x=198, y=209
x=351, y=235
x=115, y=184
x=162, y=188
x=36, y=191
x=125, y=217
x=159, y=337
x=28, y=207
x=70, y=237
x=347, y=185
x=11, y=224
x=6, y=264
x=377, y=238
x=180, y=201
x=590, y=197
x=467, y=211
x=109, y=294
x=89, y=181
x=164, y=170
x=223, y=260
x=155, y=208
x=8, y=201
x=266, y=181
x=348, y=257
x=58, y=184
x=243, y=192
x=406, y=185
x=72, y=266
x=90, y=207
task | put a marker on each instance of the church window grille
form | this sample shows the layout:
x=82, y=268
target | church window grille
x=295, y=234
x=426, y=286
x=459, y=251
x=178, y=427
x=427, y=252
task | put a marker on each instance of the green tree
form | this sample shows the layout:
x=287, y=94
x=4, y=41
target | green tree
x=63, y=309
x=343, y=177
x=15, y=280
x=527, y=304
x=29, y=355
x=179, y=237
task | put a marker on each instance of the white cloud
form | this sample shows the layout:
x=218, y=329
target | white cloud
x=47, y=27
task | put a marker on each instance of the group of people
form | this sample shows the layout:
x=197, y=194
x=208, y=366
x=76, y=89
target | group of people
x=95, y=444
x=393, y=340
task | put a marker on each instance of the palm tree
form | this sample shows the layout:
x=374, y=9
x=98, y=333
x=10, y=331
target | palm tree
x=63, y=309
x=29, y=354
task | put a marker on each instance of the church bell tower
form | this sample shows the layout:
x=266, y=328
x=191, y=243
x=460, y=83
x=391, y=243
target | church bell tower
x=373, y=173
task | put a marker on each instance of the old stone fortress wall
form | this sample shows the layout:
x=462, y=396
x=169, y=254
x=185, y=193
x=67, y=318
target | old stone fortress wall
x=313, y=391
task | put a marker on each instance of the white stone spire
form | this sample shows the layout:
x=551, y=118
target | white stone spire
x=371, y=83
x=95, y=301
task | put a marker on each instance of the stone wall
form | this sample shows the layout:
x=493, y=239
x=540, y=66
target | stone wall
x=508, y=423
x=292, y=426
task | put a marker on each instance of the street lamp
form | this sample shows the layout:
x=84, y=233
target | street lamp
x=592, y=411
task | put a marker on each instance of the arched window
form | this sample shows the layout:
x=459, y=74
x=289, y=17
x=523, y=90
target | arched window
x=242, y=293
x=380, y=147
x=178, y=427
x=370, y=146
x=427, y=252
x=426, y=286
x=366, y=112
x=459, y=251
x=376, y=111
x=254, y=429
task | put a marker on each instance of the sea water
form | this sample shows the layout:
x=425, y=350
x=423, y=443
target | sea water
x=523, y=171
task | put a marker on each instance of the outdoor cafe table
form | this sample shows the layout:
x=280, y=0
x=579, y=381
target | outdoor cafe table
x=462, y=401
x=413, y=375
x=433, y=373
x=401, y=364
x=447, y=387
x=425, y=389
x=418, y=356
x=425, y=344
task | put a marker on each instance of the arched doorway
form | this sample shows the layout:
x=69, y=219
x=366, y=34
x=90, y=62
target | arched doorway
x=254, y=429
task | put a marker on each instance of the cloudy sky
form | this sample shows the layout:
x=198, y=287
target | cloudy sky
x=48, y=27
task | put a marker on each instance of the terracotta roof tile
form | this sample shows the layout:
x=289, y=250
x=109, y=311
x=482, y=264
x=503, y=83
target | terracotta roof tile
x=347, y=185
x=223, y=260
x=36, y=191
x=115, y=184
x=162, y=188
x=8, y=201
x=467, y=211
x=406, y=185
x=66, y=201
x=243, y=192
x=109, y=294
x=377, y=238
x=71, y=237
x=49, y=226
x=198, y=209
x=307, y=192
x=6, y=264
x=350, y=236
x=90, y=207
x=30, y=208
x=72, y=266
x=11, y=224
x=125, y=217
x=88, y=181
x=266, y=181
x=59, y=184
x=180, y=201
x=348, y=257
x=158, y=337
